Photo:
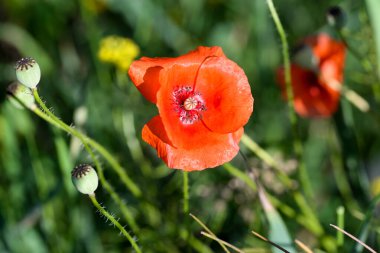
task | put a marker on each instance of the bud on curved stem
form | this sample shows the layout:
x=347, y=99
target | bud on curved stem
x=20, y=96
x=112, y=219
x=85, y=179
x=28, y=72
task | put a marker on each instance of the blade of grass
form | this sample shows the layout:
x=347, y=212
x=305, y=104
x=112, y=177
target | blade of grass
x=208, y=230
x=270, y=242
x=222, y=242
x=364, y=231
x=354, y=238
x=297, y=145
x=339, y=236
x=303, y=246
x=277, y=230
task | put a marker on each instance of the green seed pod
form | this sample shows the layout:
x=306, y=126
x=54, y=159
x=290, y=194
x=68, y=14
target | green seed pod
x=28, y=72
x=85, y=179
x=17, y=91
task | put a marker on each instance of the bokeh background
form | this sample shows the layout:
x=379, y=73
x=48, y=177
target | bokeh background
x=40, y=210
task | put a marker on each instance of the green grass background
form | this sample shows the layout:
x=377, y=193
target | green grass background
x=40, y=210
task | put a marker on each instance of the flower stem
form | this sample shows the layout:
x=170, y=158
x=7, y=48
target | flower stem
x=51, y=118
x=298, y=149
x=340, y=215
x=115, y=165
x=88, y=141
x=285, y=55
x=185, y=192
x=115, y=222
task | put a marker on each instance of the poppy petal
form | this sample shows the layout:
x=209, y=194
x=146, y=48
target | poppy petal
x=331, y=56
x=208, y=156
x=189, y=136
x=227, y=95
x=324, y=46
x=331, y=70
x=310, y=98
x=144, y=73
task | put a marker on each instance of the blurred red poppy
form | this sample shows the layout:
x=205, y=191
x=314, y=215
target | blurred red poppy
x=317, y=75
x=203, y=99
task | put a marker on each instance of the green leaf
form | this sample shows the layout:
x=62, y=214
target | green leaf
x=278, y=233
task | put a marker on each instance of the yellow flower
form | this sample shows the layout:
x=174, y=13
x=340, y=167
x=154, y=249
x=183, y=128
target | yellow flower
x=94, y=6
x=119, y=51
x=375, y=186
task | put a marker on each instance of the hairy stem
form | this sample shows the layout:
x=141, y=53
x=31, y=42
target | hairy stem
x=115, y=222
x=51, y=118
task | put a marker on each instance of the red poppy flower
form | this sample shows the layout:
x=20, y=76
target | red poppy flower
x=316, y=84
x=203, y=99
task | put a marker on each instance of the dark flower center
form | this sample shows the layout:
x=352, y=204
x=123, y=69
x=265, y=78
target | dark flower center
x=188, y=104
x=25, y=63
x=80, y=170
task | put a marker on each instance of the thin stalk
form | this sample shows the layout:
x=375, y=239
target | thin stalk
x=301, y=245
x=269, y=241
x=115, y=165
x=208, y=231
x=213, y=237
x=340, y=216
x=352, y=96
x=86, y=140
x=127, y=214
x=302, y=172
x=185, y=192
x=285, y=55
x=115, y=222
x=354, y=238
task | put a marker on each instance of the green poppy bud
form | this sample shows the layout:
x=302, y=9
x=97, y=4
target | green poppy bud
x=85, y=179
x=28, y=72
x=17, y=91
x=336, y=17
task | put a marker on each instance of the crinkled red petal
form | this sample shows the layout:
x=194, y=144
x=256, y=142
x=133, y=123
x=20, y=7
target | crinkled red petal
x=227, y=95
x=324, y=46
x=189, y=136
x=311, y=99
x=144, y=73
x=207, y=156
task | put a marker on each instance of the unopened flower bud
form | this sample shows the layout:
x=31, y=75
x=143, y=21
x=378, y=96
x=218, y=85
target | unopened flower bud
x=19, y=92
x=336, y=17
x=28, y=72
x=85, y=179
